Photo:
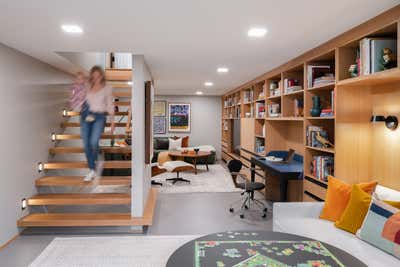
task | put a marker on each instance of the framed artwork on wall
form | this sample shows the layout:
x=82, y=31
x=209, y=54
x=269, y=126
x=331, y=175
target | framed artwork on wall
x=159, y=125
x=179, y=117
x=160, y=108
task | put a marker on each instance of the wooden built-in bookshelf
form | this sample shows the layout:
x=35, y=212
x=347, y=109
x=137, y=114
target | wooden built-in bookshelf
x=362, y=151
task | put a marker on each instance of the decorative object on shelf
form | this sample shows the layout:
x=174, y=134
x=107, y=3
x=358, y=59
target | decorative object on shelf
x=324, y=141
x=160, y=108
x=274, y=110
x=353, y=70
x=316, y=109
x=391, y=122
x=273, y=85
x=388, y=59
x=159, y=125
x=179, y=117
x=298, y=107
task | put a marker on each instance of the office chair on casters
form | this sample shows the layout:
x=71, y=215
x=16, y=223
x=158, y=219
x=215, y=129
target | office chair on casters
x=249, y=188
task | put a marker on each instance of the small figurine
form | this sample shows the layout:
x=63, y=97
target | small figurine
x=388, y=59
x=325, y=142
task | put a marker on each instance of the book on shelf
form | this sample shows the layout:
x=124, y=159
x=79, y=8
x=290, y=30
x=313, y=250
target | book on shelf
x=274, y=110
x=275, y=92
x=318, y=75
x=260, y=110
x=371, y=53
x=311, y=136
x=291, y=85
x=298, y=107
x=248, y=96
x=321, y=167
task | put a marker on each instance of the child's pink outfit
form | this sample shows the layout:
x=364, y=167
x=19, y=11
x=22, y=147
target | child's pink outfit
x=78, y=96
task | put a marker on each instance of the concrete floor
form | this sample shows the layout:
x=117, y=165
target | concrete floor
x=176, y=214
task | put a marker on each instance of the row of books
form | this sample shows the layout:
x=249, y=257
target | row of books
x=322, y=167
x=260, y=110
x=318, y=75
x=371, y=53
x=291, y=85
x=248, y=96
x=274, y=110
x=231, y=101
x=311, y=135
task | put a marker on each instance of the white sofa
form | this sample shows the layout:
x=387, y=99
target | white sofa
x=301, y=218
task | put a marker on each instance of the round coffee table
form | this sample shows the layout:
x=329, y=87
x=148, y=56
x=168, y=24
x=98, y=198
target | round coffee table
x=194, y=156
x=259, y=248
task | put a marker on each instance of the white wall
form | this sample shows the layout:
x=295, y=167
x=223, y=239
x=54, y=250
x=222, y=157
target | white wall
x=85, y=60
x=205, y=119
x=32, y=95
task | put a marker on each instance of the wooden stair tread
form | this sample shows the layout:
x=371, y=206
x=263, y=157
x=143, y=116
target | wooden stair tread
x=80, y=199
x=92, y=219
x=78, y=136
x=78, y=181
x=78, y=124
x=122, y=94
x=106, y=149
x=122, y=103
x=77, y=113
x=118, y=74
x=112, y=164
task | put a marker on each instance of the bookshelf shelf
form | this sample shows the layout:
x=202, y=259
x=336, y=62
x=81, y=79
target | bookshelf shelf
x=274, y=97
x=378, y=78
x=285, y=119
x=296, y=93
x=260, y=136
x=324, y=87
x=315, y=178
x=326, y=150
x=321, y=118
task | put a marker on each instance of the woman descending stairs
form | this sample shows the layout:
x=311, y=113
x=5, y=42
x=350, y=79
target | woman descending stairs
x=65, y=199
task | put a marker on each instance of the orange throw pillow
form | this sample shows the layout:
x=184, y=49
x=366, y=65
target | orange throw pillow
x=338, y=196
x=185, y=141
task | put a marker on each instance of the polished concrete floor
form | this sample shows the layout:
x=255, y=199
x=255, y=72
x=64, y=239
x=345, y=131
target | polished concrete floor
x=176, y=214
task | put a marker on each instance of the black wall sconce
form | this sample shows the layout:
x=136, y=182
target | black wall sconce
x=391, y=122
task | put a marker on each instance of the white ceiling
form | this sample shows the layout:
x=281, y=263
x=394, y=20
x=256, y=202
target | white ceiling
x=183, y=41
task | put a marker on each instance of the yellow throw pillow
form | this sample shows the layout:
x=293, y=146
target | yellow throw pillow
x=338, y=196
x=393, y=203
x=356, y=210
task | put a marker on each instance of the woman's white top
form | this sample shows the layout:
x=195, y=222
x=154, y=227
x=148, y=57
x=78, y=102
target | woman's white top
x=101, y=101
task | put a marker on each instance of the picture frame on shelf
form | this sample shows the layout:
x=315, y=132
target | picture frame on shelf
x=179, y=117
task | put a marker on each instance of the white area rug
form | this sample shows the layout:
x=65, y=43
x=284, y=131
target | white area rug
x=132, y=251
x=217, y=179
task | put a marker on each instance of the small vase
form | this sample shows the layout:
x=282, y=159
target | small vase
x=316, y=108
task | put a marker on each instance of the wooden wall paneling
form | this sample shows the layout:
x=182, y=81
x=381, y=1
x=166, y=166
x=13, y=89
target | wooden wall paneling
x=247, y=133
x=386, y=143
x=353, y=134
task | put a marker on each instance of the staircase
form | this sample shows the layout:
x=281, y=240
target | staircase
x=64, y=199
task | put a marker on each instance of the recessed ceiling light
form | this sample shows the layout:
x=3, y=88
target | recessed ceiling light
x=71, y=28
x=199, y=93
x=257, y=32
x=222, y=70
x=208, y=84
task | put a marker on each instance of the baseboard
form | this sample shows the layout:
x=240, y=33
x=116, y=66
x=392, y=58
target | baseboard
x=8, y=242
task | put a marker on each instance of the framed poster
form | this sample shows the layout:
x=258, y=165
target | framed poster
x=179, y=117
x=159, y=125
x=160, y=108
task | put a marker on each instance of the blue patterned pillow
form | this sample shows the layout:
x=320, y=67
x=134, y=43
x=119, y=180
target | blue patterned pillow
x=381, y=227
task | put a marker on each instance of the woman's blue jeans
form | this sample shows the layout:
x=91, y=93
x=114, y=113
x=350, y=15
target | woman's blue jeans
x=91, y=134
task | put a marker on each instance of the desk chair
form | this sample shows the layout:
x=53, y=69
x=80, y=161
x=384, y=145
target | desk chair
x=249, y=188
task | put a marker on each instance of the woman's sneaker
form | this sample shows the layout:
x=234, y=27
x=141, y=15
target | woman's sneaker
x=89, y=177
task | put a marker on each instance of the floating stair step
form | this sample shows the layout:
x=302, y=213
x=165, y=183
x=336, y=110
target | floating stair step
x=76, y=113
x=122, y=103
x=112, y=164
x=79, y=199
x=120, y=85
x=78, y=136
x=122, y=94
x=78, y=124
x=118, y=74
x=71, y=150
x=78, y=181
x=92, y=219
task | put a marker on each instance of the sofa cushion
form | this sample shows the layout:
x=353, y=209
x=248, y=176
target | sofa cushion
x=302, y=219
x=354, y=214
x=338, y=196
x=381, y=227
x=161, y=143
